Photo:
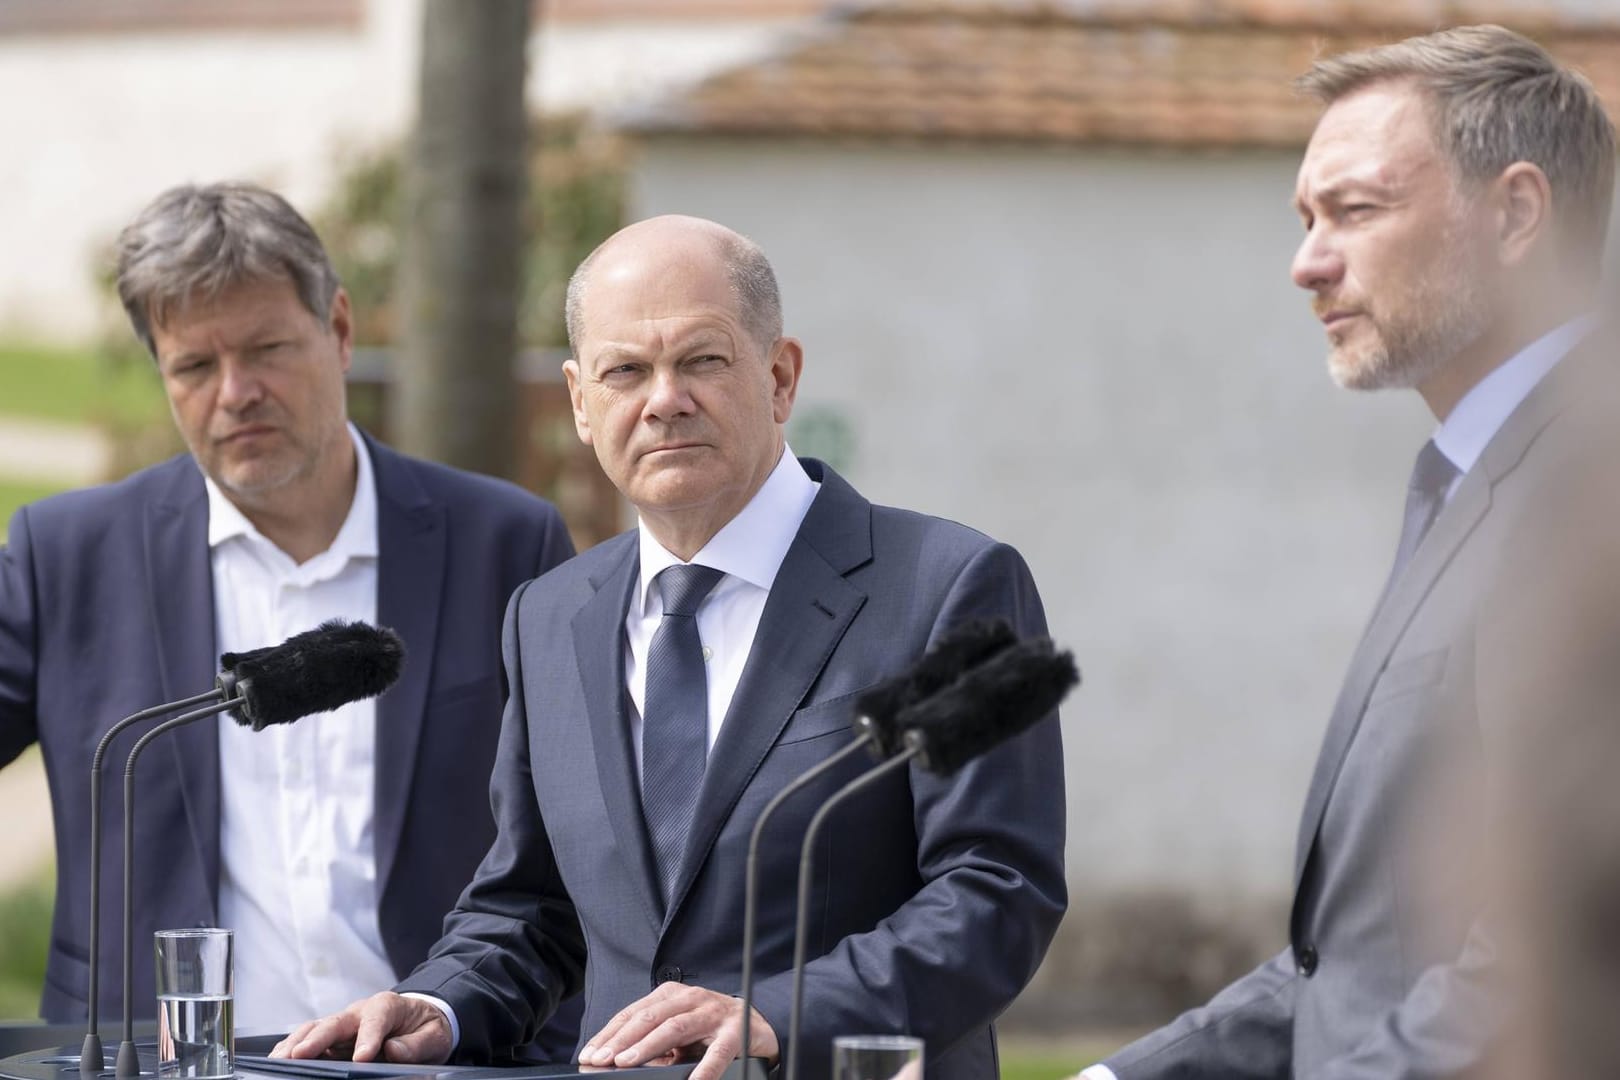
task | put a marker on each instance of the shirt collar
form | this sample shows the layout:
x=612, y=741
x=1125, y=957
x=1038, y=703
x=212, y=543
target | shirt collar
x=357, y=538
x=1484, y=409
x=750, y=546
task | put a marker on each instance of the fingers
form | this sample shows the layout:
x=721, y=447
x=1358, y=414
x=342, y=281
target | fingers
x=407, y=1031
x=686, y=1031
x=378, y=1020
x=676, y=1022
x=316, y=1037
x=426, y=1044
x=721, y=1052
x=292, y=1038
x=626, y=1028
x=671, y=1018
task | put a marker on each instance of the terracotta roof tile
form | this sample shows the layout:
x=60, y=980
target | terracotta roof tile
x=1214, y=73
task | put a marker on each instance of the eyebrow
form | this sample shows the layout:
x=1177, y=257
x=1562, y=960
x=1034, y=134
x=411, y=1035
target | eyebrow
x=705, y=339
x=1338, y=190
x=184, y=356
x=701, y=339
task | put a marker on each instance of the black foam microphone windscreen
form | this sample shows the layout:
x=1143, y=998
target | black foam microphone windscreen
x=988, y=704
x=314, y=672
x=958, y=649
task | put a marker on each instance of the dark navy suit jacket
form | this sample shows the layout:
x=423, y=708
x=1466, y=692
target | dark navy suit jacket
x=107, y=607
x=933, y=899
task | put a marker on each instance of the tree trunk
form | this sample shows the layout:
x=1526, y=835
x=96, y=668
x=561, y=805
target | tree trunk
x=454, y=397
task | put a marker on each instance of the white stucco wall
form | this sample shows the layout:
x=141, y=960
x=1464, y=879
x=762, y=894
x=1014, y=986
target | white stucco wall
x=98, y=124
x=1099, y=358
x=94, y=126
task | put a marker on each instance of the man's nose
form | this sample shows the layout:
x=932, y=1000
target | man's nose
x=240, y=387
x=670, y=397
x=1317, y=264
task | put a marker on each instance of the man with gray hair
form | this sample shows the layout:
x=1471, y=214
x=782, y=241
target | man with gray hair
x=668, y=683
x=1455, y=197
x=332, y=847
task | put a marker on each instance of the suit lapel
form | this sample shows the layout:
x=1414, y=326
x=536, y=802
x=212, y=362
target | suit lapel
x=411, y=544
x=599, y=654
x=180, y=589
x=809, y=608
x=1402, y=600
x=1461, y=516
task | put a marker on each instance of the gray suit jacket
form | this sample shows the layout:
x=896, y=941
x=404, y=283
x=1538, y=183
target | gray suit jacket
x=1386, y=973
x=933, y=900
x=107, y=607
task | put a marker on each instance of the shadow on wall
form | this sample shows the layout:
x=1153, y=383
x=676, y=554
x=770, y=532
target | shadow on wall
x=1137, y=959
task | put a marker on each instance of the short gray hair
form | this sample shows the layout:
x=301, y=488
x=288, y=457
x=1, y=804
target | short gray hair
x=191, y=243
x=1497, y=98
x=753, y=283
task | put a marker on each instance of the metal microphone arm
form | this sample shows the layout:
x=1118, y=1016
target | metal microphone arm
x=806, y=851
x=751, y=874
x=129, y=1065
x=91, y=1058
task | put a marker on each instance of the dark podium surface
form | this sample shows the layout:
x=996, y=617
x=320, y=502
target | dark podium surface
x=62, y=1063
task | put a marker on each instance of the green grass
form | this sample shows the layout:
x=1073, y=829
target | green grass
x=25, y=927
x=75, y=386
x=1025, y=1057
x=1038, y=1068
x=14, y=493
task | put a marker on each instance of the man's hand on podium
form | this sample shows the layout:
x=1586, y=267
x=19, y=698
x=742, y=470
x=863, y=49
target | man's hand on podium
x=677, y=1022
x=405, y=1031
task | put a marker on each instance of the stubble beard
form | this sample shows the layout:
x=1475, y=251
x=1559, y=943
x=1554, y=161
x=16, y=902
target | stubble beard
x=1448, y=311
x=297, y=459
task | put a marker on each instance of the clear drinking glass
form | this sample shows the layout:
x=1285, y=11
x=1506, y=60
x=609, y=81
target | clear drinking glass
x=196, y=991
x=877, y=1057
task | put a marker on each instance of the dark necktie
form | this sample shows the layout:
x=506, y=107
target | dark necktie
x=675, y=720
x=1432, y=476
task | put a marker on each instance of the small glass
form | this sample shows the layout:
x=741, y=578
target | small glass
x=877, y=1057
x=196, y=993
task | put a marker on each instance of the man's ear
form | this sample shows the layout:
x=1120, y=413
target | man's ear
x=787, y=362
x=1523, y=200
x=341, y=323
x=576, y=397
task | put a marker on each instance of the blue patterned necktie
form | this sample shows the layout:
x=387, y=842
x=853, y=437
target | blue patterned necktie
x=675, y=719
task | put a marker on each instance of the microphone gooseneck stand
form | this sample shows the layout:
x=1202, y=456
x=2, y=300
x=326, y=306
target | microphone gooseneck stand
x=91, y=1057
x=129, y=1065
x=806, y=857
x=751, y=873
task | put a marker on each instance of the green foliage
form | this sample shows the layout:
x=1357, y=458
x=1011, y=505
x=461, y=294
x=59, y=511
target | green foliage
x=25, y=929
x=360, y=228
x=576, y=200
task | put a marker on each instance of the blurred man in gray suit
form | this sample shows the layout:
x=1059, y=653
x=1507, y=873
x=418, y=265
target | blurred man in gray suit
x=666, y=684
x=1455, y=197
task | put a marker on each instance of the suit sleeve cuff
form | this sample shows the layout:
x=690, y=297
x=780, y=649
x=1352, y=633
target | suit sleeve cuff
x=455, y=1028
x=1096, y=1072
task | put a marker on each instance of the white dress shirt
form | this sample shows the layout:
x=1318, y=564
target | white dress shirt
x=1473, y=423
x=749, y=550
x=298, y=870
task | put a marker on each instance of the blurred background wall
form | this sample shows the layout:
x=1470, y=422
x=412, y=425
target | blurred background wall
x=1037, y=252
